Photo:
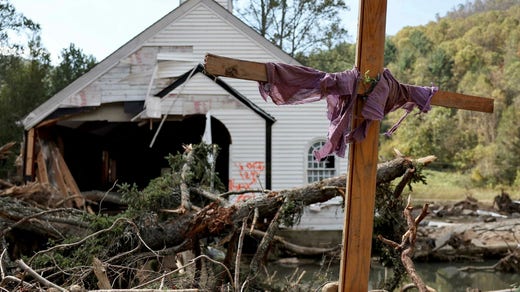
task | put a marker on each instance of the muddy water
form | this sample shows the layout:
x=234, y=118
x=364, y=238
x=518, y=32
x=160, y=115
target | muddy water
x=443, y=277
x=447, y=277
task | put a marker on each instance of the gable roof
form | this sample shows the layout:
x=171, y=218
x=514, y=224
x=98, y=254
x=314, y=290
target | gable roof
x=48, y=107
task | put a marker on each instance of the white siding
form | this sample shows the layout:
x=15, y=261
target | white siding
x=322, y=216
x=198, y=96
x=295, y=126
x=247, y=151
x=209, y=32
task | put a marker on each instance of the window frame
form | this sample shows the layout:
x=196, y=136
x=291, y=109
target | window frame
x=321, y=171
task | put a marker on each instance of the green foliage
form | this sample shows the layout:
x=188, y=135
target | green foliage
x=164, y=192
x=292, y=211
x=516, y=183
x=474, y=51
x=28, y=81
x=390, y=51
x=435, y=133
x=143, y=207
x=74, y=63
x=420, y=42
x=508, y=144
x=80, y=254
x=22, y=86
x=405, y=60
x=440, y=66
x=200, y=175
x=337, y=59
x=22, y=79
x=369, y=82
x=70, y=260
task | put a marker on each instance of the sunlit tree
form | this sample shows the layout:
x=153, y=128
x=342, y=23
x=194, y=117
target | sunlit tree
x=296, y=26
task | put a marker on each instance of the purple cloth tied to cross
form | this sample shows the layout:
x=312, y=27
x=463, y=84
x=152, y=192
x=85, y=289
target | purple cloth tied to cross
x=290, y=84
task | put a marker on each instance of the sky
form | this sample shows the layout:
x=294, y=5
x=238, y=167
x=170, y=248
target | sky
x=99, y=27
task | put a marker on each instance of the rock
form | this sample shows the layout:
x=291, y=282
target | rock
x=467, y=212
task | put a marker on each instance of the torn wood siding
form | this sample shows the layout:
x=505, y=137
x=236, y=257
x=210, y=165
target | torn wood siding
x=29, y=154
x=128, y=80
x=53, y=170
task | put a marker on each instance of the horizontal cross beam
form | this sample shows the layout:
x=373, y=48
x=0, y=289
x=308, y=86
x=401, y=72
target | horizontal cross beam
x=256, y=71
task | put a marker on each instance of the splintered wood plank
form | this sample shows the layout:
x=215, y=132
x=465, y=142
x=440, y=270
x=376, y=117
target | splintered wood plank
x=29, y=154
x=42, y=175
x=462, y=101
x=234, y=68
x=57, y=177
x=361, y=173
x=68, y=179
x=242, y=69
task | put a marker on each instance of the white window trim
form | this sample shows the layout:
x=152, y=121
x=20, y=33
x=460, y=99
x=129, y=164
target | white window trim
x=307, y=156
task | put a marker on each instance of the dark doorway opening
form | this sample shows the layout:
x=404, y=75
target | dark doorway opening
x=100, y=152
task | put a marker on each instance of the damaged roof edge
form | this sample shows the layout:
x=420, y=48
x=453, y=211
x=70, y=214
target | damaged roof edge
x=243, y=99
x=48, y=107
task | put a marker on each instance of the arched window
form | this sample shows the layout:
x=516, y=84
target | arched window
x=318, y=170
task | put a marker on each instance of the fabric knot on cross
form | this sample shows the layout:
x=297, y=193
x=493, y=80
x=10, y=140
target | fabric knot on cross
x=290, y=84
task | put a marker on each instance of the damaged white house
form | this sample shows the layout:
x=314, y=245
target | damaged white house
x=105, y=124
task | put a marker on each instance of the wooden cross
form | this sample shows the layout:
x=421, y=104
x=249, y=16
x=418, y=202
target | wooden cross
x=361, y=175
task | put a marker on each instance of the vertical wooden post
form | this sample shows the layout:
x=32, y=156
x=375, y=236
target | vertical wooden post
x=361, y=179
x=29, y=155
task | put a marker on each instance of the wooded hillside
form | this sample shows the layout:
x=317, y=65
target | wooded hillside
x=474, y=49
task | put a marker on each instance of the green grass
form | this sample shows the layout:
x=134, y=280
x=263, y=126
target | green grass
x=452, y=186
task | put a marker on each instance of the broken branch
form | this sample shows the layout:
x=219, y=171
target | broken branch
x=21, y=264
x=408, y=245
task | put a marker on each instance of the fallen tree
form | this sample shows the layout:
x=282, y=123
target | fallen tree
x=16, y=210
x=144, y=237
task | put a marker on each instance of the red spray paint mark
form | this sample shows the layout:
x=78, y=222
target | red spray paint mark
x=249, y=173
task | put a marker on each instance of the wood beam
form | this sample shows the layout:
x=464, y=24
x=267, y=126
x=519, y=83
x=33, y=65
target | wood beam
x=362, y=168
x=235, y=68
x=256, y=71
x=29, y=154
x=462, y=101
